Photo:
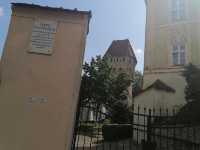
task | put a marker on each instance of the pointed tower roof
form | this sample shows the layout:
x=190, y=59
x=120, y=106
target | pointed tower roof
x=121, y=48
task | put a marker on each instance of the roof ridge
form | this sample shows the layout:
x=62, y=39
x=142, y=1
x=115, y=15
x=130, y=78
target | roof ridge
x=158, y=85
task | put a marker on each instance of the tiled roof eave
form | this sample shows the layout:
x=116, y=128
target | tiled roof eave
x=50, y=8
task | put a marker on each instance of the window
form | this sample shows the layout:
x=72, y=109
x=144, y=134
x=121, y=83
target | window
x=178, y=54
x=175, y=55
x=178, y=10
x=182, y=54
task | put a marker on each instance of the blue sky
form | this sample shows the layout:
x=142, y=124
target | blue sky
x=111, y=20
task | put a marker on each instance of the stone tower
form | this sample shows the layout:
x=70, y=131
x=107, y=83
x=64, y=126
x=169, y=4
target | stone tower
x=122, y=59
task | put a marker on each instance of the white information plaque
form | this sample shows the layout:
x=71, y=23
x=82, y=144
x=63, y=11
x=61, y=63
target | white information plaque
x=43, y=37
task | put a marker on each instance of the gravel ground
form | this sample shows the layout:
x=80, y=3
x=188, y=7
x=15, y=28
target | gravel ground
x=188, y=134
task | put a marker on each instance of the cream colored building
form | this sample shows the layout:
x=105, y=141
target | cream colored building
x=40, y=77
x=172, y=41
x=122, y=59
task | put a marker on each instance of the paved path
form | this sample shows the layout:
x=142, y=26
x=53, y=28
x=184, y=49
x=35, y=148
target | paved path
x=88, y=143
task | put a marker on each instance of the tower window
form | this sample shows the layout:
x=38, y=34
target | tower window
x=178, y=10
x=178, y=54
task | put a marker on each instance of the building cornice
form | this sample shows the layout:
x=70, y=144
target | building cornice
x=164, y=70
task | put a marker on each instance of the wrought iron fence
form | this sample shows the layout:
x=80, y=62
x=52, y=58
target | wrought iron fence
x=149, y=129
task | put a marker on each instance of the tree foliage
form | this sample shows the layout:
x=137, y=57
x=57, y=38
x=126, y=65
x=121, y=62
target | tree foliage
x=192, y=77
x=120, y=113
x=190, y=113
x=137, y=83
x=101, y=87
x=96, y=80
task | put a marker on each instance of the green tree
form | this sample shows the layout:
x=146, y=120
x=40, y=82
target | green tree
x=96, y=80
x=100, y=87
x=120, y=113
x=118, y=107
x=190, y=113
x=137, y=83
x=192, y=77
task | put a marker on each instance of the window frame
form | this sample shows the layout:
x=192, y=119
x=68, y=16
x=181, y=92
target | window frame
x=178, y=11
x=179, y=54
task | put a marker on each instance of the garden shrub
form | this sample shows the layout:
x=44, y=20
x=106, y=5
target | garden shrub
x=116, y=132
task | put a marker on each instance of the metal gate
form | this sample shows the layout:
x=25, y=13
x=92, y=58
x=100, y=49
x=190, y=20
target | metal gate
x=150, y=129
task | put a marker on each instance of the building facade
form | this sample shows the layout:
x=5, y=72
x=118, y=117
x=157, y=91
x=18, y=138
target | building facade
x=122, y=59
x=40, y=77
x=172, y=41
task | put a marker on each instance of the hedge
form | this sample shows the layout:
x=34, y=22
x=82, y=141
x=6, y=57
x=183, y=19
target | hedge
x=116, y=132
x=86, y=129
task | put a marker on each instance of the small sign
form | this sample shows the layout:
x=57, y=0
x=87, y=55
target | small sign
x=37, y=99
x=43, y=36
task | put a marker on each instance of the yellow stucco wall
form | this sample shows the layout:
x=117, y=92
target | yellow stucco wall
x=40, y=125
x=161, y=32
x=173, y=79
x=156, y=99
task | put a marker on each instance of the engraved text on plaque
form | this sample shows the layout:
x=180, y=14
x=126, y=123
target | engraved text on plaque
x=43, y=36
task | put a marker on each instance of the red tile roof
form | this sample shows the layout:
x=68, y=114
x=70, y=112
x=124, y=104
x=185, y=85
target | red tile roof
x=160, y=86
x=121, y=48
